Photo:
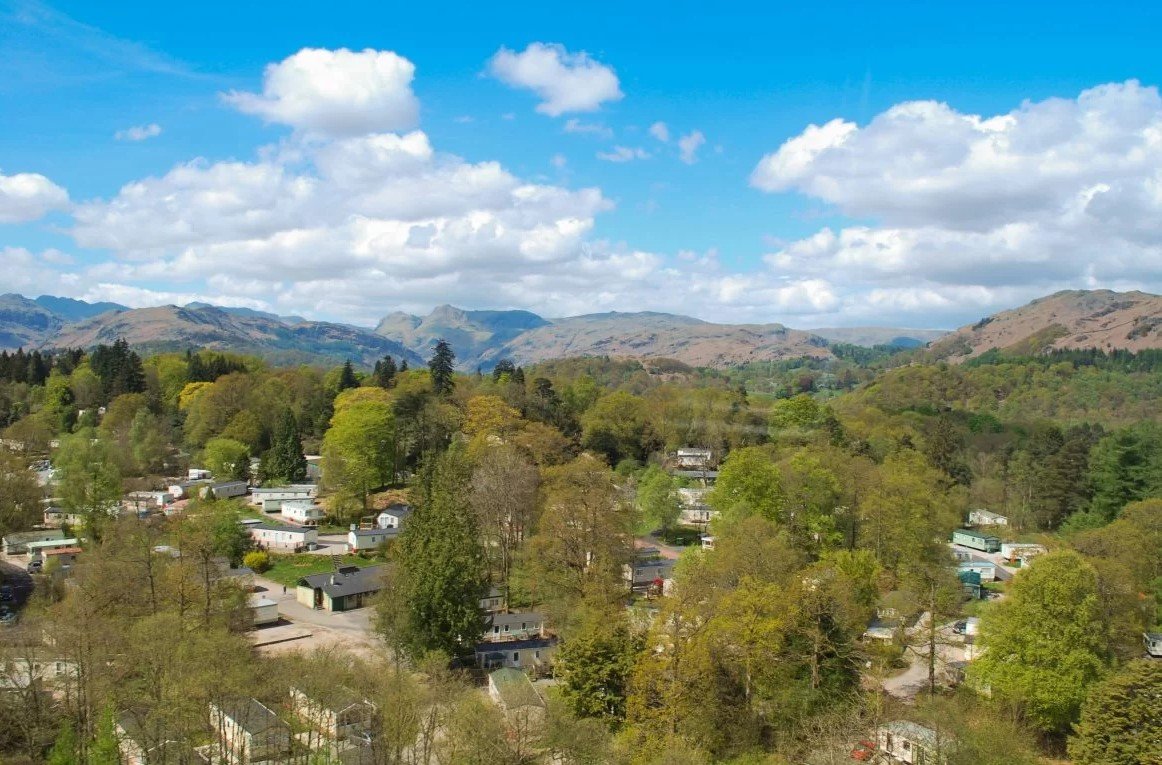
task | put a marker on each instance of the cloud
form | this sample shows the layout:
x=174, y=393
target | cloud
x=623, y=154
x=973, y=210
x=688, y=146
x=565, y=82
x=558, y=161
x=660, y=131
x=138, y=132
x=335, y=92
x=28, y=196
x=574, y=125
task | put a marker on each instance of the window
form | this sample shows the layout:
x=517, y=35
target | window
x=536, y=654
x=516, y=657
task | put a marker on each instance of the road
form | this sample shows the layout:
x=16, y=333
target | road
x=1004, y=571
x=348, y=629
x=670, y=552
x=913, y=680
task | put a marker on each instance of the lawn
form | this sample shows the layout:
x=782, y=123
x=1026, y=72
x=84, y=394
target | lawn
x=288, y=569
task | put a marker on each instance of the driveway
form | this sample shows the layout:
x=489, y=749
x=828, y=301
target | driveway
x=351, y=630
x=914, y=679
x=670, y=552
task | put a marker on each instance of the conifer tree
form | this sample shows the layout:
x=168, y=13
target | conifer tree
x=64, y=749
x=104, y=750
x=347, y=378
x=441, y=564
x=284, y=462
x=1121, y=720
x=442, y=365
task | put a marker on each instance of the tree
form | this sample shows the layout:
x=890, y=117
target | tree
x=617, y=426
x=347, y=377
x=64, y=749
x=1121, y=719
x=227, y=459
x=657, y=499
x=87, y=478
x=1046, y=643
x=105, y=750
x=748, y=484
x=1126, y=466
x=491, y=416
x=440, y=563
x=504, y=498
x=20, y=496
x=442, y=366
x=359, y=449
x=595, y=663
x=285, y=463
x=384, y=373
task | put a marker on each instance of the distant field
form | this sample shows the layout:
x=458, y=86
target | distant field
x=288, y=569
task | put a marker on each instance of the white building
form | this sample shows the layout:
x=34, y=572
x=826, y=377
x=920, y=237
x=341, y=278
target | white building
x=263, y=611
x=284, y=538
x=393, y=517
x=249, y=732
x=302, y=511
x=261, y=494
x=982, y=517
x=693, y=459
x=695, y=511
x=367, y=540
x=909, y=743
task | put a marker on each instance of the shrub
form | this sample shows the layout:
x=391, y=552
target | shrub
x=257, y=561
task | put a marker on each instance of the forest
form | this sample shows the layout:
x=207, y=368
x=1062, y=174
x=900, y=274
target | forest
x=838, y=486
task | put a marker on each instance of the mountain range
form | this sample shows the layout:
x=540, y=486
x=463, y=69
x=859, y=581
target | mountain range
x=1073, y=319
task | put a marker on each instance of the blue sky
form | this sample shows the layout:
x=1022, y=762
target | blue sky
x=1028, y=161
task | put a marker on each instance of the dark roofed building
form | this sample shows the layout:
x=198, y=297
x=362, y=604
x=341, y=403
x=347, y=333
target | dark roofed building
x=345, y=589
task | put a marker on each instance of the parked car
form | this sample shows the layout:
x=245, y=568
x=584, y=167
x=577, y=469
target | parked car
x=7, y=594
x=36, y=566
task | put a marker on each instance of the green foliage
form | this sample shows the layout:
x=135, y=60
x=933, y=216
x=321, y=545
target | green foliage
x=1126, y=466
x=749, y=483
x=284, y=462
x=227, y=459
x=88, y=480
x=441, y=567
x=359, y=449
x=442, y=366
x=1121, y=719
x=20, y=495
x=64, y=749
x=594, y=666
x=657, y=499
x=104, y=749
x=617, y=427
x=1046, y=643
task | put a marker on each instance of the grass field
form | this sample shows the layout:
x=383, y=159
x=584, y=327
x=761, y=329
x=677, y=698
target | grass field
x=288, y=569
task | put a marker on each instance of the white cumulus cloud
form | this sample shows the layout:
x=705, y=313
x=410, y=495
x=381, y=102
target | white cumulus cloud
x=138, y=132
x=28, y=196
x=335, y=92
x=688, y=146
x=623, y=154
x=564, y=81
x=660, y=131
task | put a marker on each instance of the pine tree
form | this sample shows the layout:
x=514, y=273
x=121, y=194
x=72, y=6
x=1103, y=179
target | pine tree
x=105, y=750
x=441, y=564
x=284, y=462
x=403, y=365
x=347, y=378
x=1121, y=720
x=64, y=749
x=442, y=365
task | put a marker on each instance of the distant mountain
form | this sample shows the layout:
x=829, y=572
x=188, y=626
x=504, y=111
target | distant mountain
x=69, y=309
x=171, y=328
x=1071, y=319
x=872, y=336
x=25, y=323
x=473, y=335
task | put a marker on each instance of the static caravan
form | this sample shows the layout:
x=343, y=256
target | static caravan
x=976, y=540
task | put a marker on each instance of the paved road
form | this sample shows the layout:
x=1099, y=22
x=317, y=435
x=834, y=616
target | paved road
x=15, y=574
x=669, y=552
x=914, y=679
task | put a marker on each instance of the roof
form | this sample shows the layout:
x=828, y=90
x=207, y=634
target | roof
x=911, y=731
x=1153, y=635
x=515, y=645
x=297, y=488
x=398, y=509
x=975, y=533
x=251, y=715
x=330, y=696
x=64, y=551
x=73, y=542
x=23, y=537
x=516, y=618
x=696, y=473
x=985, y=513
x=279, y=527
x=374, y=532
x=258, y=601
x=515, y=689
x=976, y=564
x=348, y=580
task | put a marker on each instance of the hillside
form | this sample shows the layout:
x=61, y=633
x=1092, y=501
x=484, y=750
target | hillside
x=25, y=323
x=654, y=335
x=1067, y=320
x=872, y=336
x=174, y=328
x=474, y=335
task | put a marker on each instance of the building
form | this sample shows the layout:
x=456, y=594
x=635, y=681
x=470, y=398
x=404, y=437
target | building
x=695, y=511
x=707, y=477
x=986, y=569
x=532, y=655
x=336, y=712
x=1153, y=641
x=148, y=500
x=976, y=540
x=198, y=474
x=247, y=731
x=21, y=672
x=268, y=536
x=511, y=689
x=982, y=517
x=1021, y=552
x=261, y=494
x=393, y=516
x=39, y=550
x=368, y=540
x=225, y=490
x=494, y=600
x=970, y=580
x=263, y=611
x=908, y=742
x=187, y=489
x=707, y=542
x=348, y=588
x=302, y=511
x=648, y=572
x=140, y=747
x=693, y=459
x=17, y=542
x=518, y=625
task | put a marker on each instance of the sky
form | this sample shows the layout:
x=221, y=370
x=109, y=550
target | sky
x=824, y=164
